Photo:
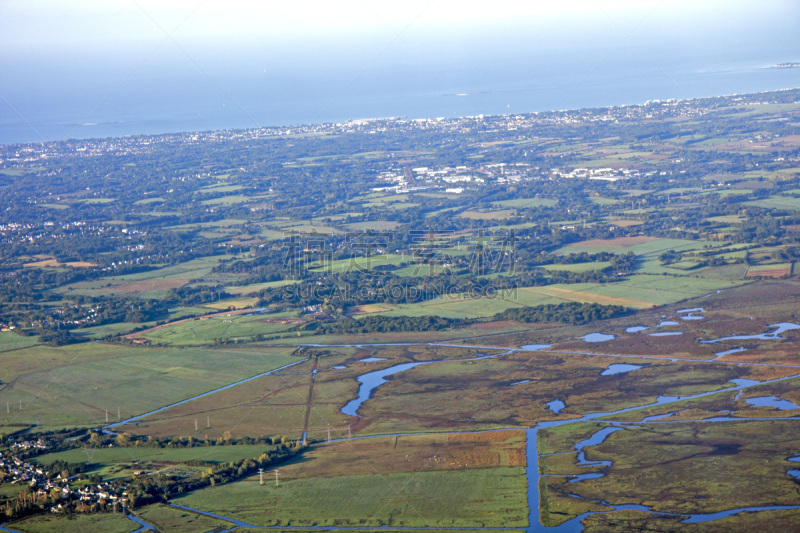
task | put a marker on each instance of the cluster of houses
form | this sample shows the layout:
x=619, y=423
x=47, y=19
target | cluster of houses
x=17, y=471
x=457, y=179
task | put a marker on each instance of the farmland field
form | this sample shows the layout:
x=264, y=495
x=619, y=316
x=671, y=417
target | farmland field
x=453, y=498
x=86, y=384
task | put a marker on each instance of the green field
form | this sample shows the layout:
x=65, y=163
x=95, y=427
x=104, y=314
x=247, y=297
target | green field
x=247, y=289
x=771, y=266
x=205, y=330
x=168, y=519
x=105, y=522
x=11, y=341
x=639, y=291
x=651, y=248
x=358, y=264
x=467, y=498
x=522, y=203
x=789, y=203
x=151, y=283
x=114, y=463
x=578, y=267
x=75, y=385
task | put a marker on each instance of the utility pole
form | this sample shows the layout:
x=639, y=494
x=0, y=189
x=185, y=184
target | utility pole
x=260, y=476
x=329, y=433
x=106, y=416
x=195, y=424
x=276, y=477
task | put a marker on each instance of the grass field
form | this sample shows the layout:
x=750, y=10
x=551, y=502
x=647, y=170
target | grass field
x=106, y=522
x=221, y=326
x=98, y=201
x=117, y=462
x=522, y=203
x=54, y=263
x=488, y=215
x=239, y=303
x=357, y=264
x=790, y=203
x=643, y=246
x=11, y=341
x=578, y=267
x=493, y=497
x=159, y=279
x=74, y=385
x=168, y=519
x=638, y=292
x=227, y=200
x=247, y=289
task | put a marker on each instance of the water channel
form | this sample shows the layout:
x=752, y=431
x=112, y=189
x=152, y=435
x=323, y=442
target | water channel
x=145, y=525
x=371, y=380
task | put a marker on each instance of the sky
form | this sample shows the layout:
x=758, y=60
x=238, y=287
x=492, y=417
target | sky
x=207, y=29
x=53, y=50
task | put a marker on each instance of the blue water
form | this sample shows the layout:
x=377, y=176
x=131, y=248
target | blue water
x=619, y=368
x=700, y=518
x=691, y=313
x=637, y=329
x=795, y=473
x=597, y=438
x=731, y=351
x=741, y=382
x=583, y=477
x=536, y=347
x=771, y=335
x=66, y=92
x=556, y=405
x=598, y=337
x=772, y=401
x=145, y=525
x=371, y=381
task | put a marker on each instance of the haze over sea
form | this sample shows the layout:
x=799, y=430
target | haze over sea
x=199, y=86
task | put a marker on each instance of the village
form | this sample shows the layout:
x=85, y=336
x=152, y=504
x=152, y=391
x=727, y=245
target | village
x=54, y=491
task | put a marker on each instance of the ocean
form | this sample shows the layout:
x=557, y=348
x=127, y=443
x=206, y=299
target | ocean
x=243, y=95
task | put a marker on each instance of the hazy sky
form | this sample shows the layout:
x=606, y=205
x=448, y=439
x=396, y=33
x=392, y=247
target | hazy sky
x=104, y=37
x=98, y=26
